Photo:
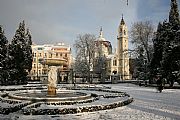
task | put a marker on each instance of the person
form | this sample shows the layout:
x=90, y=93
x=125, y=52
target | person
x=146, y=83
x=159, y=84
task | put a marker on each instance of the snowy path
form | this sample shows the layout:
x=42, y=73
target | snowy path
x=148, y=105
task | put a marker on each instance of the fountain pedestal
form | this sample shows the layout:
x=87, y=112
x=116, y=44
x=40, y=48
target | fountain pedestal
x=52, y=81
x=51, y=91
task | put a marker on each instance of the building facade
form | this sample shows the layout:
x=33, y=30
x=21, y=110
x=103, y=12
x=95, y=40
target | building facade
x=48, y=51
x=117, y=63
x=122, y=51
x=104, y=47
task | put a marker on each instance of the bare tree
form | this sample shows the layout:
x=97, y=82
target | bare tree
x=85, y=48
x=141, y=34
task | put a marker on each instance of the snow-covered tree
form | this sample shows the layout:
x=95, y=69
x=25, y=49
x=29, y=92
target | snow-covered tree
x=141, y=65
x=3, y=56
x=166, y=57
x=28, y=52
x=158, y=42
x=174, y=13
x=142, y=34
x=20, y=55
x=85, y=48
x=171, y=48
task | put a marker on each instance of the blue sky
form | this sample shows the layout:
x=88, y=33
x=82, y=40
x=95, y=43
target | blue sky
x=53, y=21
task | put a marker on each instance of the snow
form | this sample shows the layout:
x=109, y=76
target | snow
x=148, y=105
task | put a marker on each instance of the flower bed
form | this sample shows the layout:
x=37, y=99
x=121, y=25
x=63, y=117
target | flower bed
x=93, y=108
x=96, y=98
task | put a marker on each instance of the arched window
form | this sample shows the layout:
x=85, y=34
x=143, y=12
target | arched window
x=50, y=55
x=124, y=32
x=114, y=63
x=39, y=71
x=56, y=54
x=121, y=30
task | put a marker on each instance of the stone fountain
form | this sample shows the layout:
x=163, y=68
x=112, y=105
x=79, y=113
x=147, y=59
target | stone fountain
x=54, y=64
x=33, y=101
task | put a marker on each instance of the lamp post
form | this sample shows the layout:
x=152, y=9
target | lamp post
x=124, y=66
x=72, y=76
x=103, y=75
x=37, y=61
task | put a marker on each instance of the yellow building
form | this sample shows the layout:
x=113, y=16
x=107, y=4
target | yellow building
x=104, y=47
x=122, y=51
x=58, y=51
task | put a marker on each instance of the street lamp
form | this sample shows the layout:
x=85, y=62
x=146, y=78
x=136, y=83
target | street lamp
x=37, y=62
x=103, y=75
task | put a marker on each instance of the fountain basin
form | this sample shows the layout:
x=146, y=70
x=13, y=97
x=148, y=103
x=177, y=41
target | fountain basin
x=39, y=95
x=53, y=61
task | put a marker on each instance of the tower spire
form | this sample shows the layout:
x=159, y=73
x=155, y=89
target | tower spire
x=101, y=32
x=122, y=21
x=174, y=12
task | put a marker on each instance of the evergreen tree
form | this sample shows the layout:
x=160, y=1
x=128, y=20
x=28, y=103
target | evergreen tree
x=28, y=52
x=158, y=43
x=140, y=70
x=19, y=52
x=174, y=13
x=171, y=48
x=166, y=57
x=3, y=57
x=158, y=48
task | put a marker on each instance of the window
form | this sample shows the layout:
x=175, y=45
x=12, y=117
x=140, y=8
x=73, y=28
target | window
x=121, y=30
x=39, y=71
x=34, y=54
x=114, y=72
x=114, y=62
x=45, y=54
x=34, y=65
x=34, y=71
x=44, y=72
x=66, y=55
x=39, y=65
x=56, y=54
x=61, y=54
x=40, y=48
x=50, y=55
x=39, y=54
x=124, y=32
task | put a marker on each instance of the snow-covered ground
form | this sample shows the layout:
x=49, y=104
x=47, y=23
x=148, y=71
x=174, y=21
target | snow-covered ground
x=148, y=105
